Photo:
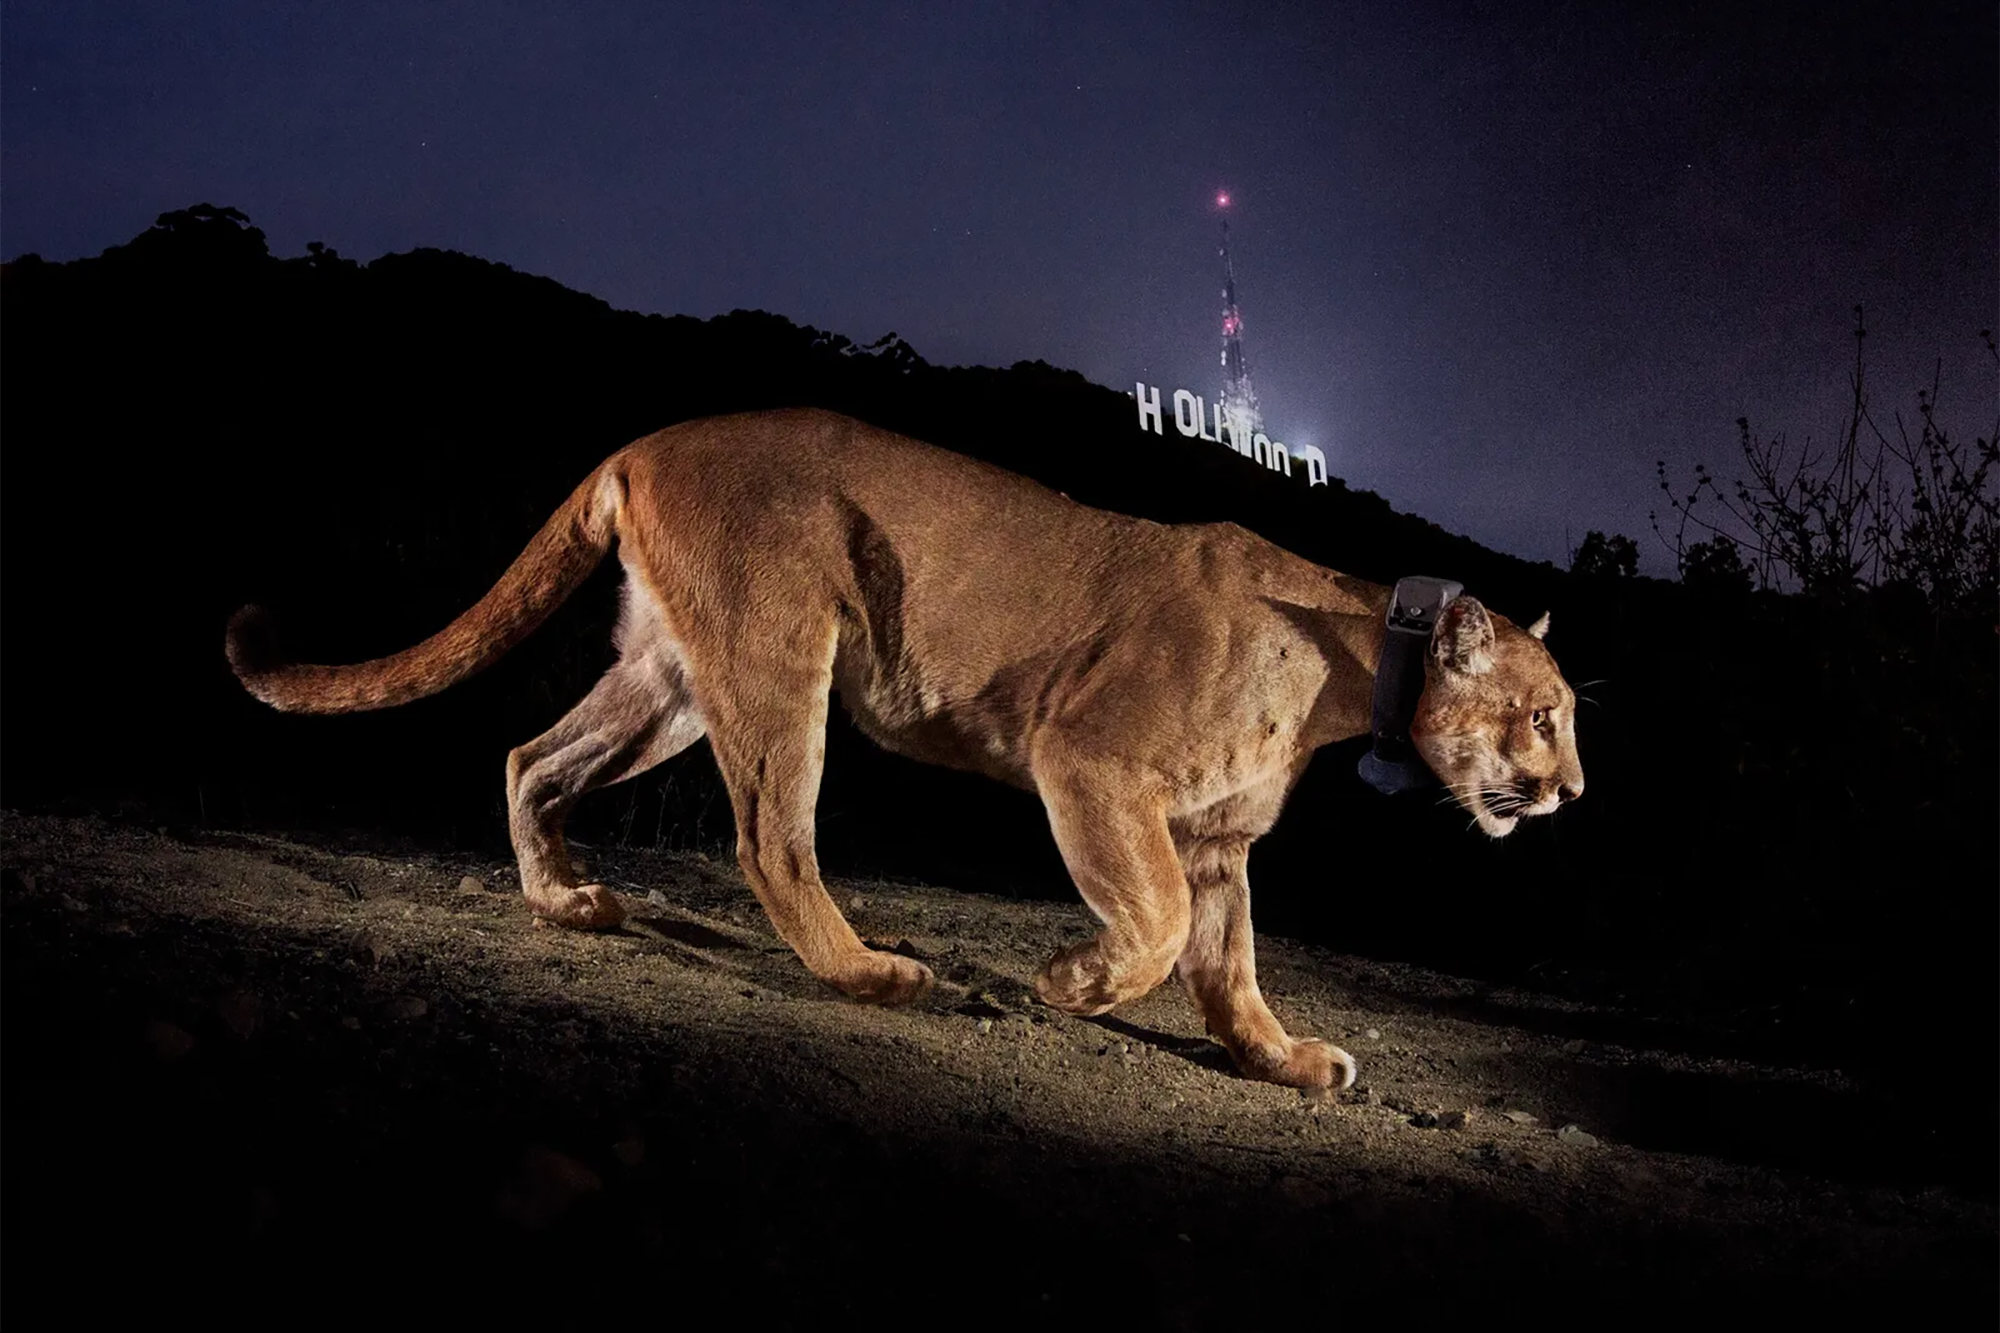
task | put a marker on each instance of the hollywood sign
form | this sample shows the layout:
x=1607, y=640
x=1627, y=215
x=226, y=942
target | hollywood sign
x=1199, y=421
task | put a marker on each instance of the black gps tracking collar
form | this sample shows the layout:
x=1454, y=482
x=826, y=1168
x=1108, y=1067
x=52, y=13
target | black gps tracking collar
x=1393, y=764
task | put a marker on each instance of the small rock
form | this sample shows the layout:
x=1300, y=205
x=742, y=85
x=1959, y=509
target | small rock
x=546, y=1185
x=365, y=946
x=241, y=1012
x=404, y=1008
x=856, y=903
x=1454, y=1119
x=471, y=884
x=264, y=1209
x=1576, y=1136
x=656, y=898
x=1520, y=1117
x=983, y=1025
x=1372, y=1034
x=169, y=1043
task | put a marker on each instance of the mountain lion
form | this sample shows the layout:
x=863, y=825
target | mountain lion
x=1159, y=687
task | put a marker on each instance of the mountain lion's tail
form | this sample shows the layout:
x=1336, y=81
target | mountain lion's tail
x=561, y=556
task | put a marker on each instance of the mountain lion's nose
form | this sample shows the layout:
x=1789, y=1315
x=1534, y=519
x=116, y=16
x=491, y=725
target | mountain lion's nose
x=1569, y=793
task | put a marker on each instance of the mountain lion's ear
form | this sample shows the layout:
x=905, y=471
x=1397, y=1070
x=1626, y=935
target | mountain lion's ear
x=1463, y=636
x=1540, y=629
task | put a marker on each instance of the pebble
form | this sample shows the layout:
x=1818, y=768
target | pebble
x=1576, y=1136
x=1520, y=1117
x=546, y=1185
x=471, y=884
x=169, y=1042
x=983, y=1025
x=1372, y=1035
x=365, y=945
x=242, y=1012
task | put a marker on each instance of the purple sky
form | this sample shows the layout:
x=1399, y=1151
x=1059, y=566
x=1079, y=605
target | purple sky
x=1493, y=259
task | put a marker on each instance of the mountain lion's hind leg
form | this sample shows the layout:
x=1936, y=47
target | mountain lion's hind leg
x=1116, y=845
x=767, y=718
x=1219, y=969
x=639, y=715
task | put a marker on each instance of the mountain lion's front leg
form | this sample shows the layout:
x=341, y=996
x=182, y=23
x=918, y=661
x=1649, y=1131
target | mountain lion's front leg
x=1115, y=842
x=1219, y=969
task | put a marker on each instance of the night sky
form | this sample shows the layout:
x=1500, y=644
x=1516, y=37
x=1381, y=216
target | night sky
x=1493, y=259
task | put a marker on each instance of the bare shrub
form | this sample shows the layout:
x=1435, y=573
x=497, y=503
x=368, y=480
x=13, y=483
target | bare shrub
x=1916, y=507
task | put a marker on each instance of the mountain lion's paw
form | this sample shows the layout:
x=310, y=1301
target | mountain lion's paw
x=881, y=978
x=1308, y=1063
x=592, y=907
x=1074, y=981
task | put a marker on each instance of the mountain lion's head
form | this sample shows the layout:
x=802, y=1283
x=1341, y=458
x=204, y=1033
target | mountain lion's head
x=1497, y=721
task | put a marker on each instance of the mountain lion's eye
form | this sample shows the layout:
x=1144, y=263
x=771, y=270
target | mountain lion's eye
x=1539, y=718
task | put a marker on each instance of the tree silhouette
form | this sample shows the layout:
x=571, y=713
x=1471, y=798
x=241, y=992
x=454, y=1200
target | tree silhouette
x=1715, y=566
x=199, y=237
x=1615, y=556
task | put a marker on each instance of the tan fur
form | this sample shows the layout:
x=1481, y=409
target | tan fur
x=1160, y=688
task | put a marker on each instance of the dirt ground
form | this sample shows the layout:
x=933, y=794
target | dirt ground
x=273, y=1082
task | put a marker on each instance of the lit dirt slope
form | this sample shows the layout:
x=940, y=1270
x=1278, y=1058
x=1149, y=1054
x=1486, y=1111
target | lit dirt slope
x=240, y=1068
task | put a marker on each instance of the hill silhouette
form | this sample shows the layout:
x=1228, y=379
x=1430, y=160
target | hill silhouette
x=1787, y=840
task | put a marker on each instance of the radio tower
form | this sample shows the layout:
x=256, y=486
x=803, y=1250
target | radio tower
x=1239, y=399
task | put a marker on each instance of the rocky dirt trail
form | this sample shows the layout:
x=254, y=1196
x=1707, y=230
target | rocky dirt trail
x=244, y=1069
